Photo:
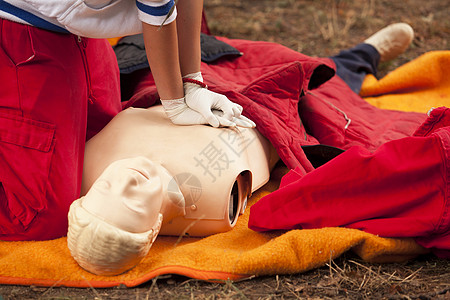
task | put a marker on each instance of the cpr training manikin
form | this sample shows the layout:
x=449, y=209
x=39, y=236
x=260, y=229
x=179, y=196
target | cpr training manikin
x=145, y=176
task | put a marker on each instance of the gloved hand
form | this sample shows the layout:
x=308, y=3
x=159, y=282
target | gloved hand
x=180, y=114
x=204, y=101
x=240, y=121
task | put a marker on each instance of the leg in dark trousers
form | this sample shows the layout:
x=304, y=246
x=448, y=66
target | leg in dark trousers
x=354, y=64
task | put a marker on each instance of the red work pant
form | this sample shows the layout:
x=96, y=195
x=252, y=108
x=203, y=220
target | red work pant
x=56, y=90
x=400, y=190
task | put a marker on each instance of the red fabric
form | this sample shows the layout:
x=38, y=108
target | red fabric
x=52, y=86
x=268, y=80
x=327, y=110
x=400, y=190
x=204, y=28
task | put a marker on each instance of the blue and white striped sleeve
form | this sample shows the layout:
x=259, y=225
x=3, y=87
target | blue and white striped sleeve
x=154, y=12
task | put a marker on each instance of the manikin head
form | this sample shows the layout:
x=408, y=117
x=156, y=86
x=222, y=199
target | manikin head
x=114, y=225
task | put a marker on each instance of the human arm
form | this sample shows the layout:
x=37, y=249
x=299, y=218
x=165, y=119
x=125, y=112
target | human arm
x=189, y=21
x=162, y=53
x=161, y=46
x=208, y=103
x=174, y=52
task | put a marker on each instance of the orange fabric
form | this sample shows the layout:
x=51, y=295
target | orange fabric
x=242, y=253
x=113, y=41
x=416, y=86
x=234, y=255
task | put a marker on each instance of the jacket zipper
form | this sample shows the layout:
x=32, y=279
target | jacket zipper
x=336, y=108
x=82, y=46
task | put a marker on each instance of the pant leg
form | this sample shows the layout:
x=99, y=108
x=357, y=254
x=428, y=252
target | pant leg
x=104, y=100
x=354, y=64
x=43, y=118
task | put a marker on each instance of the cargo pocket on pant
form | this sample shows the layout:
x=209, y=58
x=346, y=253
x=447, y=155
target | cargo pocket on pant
x=26, y=150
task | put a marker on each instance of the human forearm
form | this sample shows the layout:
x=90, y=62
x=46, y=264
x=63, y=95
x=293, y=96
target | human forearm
x=162, y=54
x=173, y=52
x=189, y=21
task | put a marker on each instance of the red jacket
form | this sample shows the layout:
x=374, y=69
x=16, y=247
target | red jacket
x=400, y=190
x=274, y=83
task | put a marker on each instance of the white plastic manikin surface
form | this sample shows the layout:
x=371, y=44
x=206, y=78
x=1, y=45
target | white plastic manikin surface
x=204, y=163
x=129, y=195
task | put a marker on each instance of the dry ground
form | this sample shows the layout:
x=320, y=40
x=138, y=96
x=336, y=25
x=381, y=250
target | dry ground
x=346, y=278
x=323, y=27
x=317, y=28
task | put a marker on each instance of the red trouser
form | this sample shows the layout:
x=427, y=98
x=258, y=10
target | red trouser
x=55, y=90
x=400, y=190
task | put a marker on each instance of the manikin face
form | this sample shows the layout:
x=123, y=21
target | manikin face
x=130, y=193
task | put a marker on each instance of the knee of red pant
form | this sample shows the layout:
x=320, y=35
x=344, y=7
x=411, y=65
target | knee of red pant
x=46, y=224
x=50, y=224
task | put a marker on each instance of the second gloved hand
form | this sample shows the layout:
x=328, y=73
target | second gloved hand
x=180, y=114
x=204, y=101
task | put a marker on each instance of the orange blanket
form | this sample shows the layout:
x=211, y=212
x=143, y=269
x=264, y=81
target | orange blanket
x=238, y=254
x=416, y=86
x=242, y=253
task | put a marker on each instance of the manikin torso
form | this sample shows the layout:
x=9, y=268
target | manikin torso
x=215, y=169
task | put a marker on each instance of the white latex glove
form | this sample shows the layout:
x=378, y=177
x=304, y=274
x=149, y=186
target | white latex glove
x=240, y=121
x=180, y=114
x=204, y=101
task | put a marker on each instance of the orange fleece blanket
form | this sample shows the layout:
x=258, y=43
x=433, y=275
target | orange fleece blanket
x=242, y=253
x=416, y=86
x=237, y=254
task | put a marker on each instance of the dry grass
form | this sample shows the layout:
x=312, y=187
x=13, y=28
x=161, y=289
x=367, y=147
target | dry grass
x=324, y=27
x=345, y=278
